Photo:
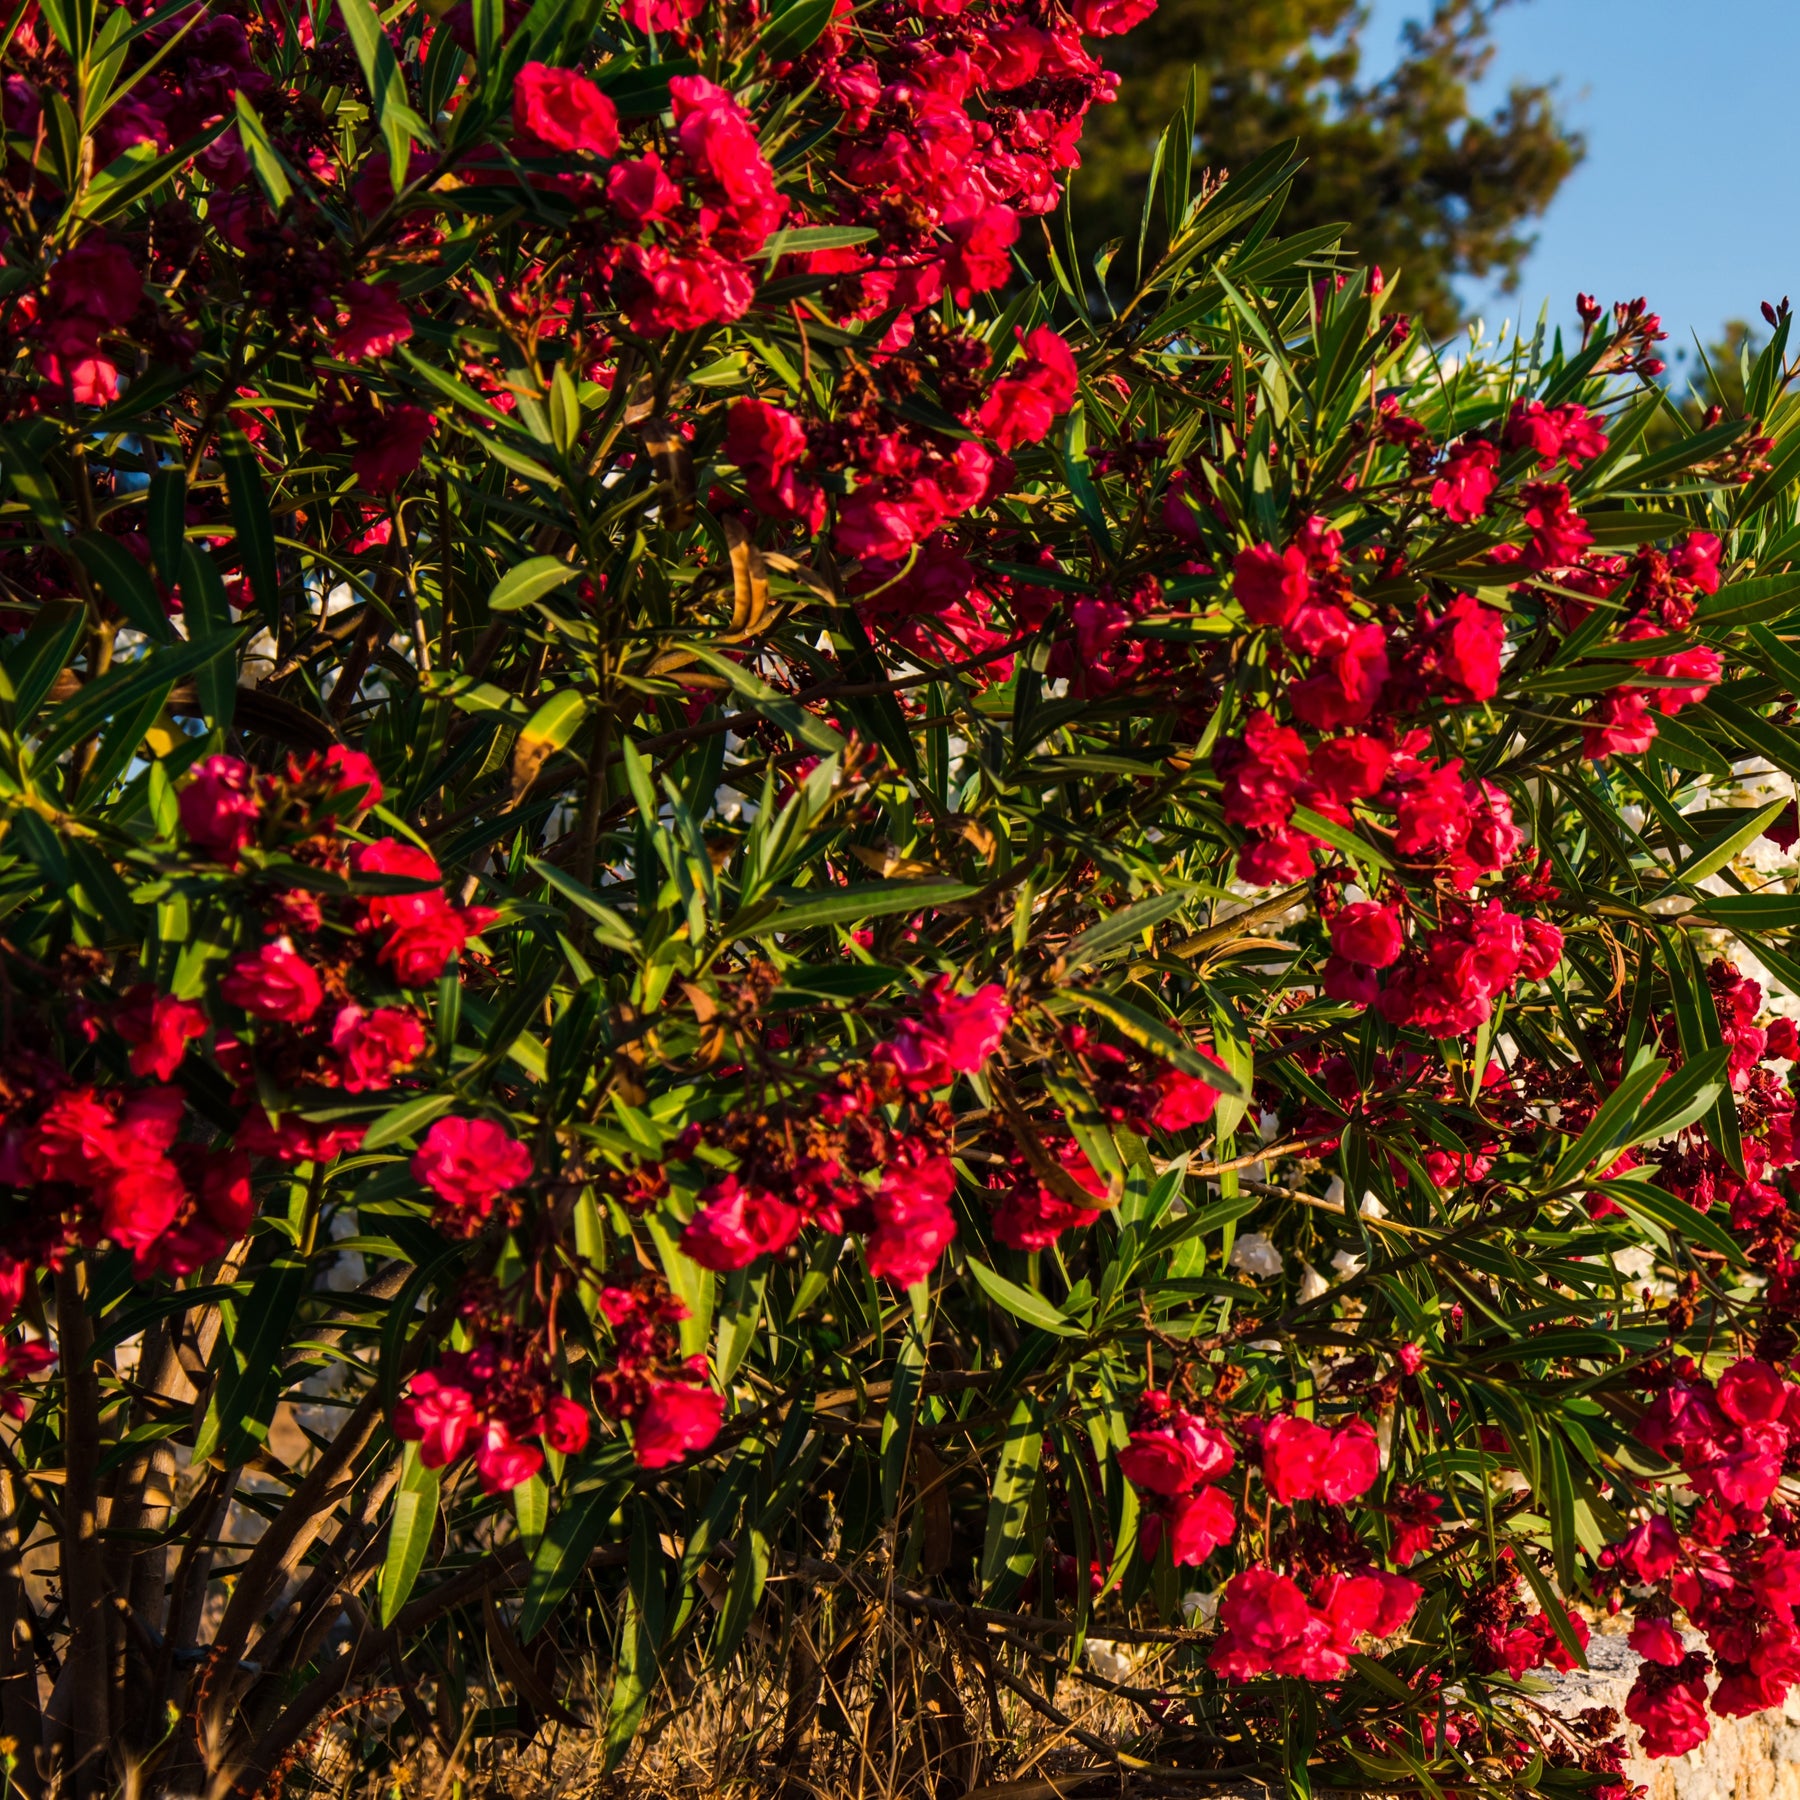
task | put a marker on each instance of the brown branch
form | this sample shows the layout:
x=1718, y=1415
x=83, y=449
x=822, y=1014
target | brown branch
x=290, y=1535
x=20, y=1717
x=83, y=1570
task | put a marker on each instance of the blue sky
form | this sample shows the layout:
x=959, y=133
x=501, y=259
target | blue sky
x=1688, y=193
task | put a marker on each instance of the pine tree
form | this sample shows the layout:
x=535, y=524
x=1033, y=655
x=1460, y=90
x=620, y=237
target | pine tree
x=1420, y=181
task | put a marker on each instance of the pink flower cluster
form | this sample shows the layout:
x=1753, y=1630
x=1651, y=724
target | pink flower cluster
x=904, y=1214
x=108, y=1165
x=490, y=1401
x=1692, y=1165
x=1175, y=1459
x=1032, y=1215
x=1452, y=832
x=1659, y=591
x=949, y=1034
x=1446, y=983
x=1302, y=1460
x=1733, y=1568
x=949, y=134
x=1270, y=1626
x=910, y=480
x=21, y=1360
x=469, y=1164
x=668, y=1402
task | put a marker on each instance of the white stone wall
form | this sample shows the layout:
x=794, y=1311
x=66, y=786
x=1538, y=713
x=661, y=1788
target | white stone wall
x=1745, y=1759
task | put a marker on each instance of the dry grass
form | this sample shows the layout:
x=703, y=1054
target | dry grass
x=871, y=1705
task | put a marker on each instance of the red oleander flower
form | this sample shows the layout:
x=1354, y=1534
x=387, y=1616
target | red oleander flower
x=470, y=1163
x=1668, y=1706
x=659, y=15
x=275, y=983
x=679, y=1418
x=372, y=323
x=1471, y=472
x=1271, y=585
x=390, y=447
x=1023, y=404
x=372, y=1047
x=737, y=1224
x=1301, y=1460
x=565, y=1426
x=1194, y=1526
x=159, y=1029
x=353, y=774
x=952, y=1034
x=913, y=1220
x=1367, y=933
x=219, y=807
x=561, y=109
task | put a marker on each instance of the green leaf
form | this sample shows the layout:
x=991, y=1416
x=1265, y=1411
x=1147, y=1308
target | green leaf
x=247, y=1361
x=404, y=1120
x=642, y=89
x=387, y=86
x=569, y=1540
x=1124, y=926
x=634, y=1674
x=738, y=1319
x=270, y=166
x=1726, y=848
x=1754, y=732
x=861, y=900
x=123, y=738
x=167, y=522
x=122, y=686
x=1697, y=1022
x=614, y=931
x=98, y=883
x=743, y=1594
x=1608, y=1128
x=409, y=1533
x=208, y=615
x=1552, y=1609
x=1778, y=656
x=792, y=717
x=121, y=578
x=640, y=1634
x=903, y=1399
x=1357, y=848
x=1645, y=1202
x=530, y=580
x=1007, y=1554
x=692, y=1285
x=531, y=1507
x=1743, y=602
x=250, y=518
x=817, y=237
x=32, y=665
x=1022, y=1303
x=556, y=721
x=29, y=479
x=1150, y=1035
x=138, y=171
x=792, y=31
x=1753, y=912
x=1689, y=1092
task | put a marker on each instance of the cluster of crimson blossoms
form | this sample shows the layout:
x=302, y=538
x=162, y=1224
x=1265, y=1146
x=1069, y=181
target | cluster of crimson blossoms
x=1067, y=935
x=841, y=1162
x=1731, y=1562
x=315, y=996
x=948, y=125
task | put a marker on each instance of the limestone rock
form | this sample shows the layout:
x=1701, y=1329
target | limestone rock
x=1745, y=1759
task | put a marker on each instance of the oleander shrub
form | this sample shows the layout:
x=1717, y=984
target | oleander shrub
x=747, y=934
